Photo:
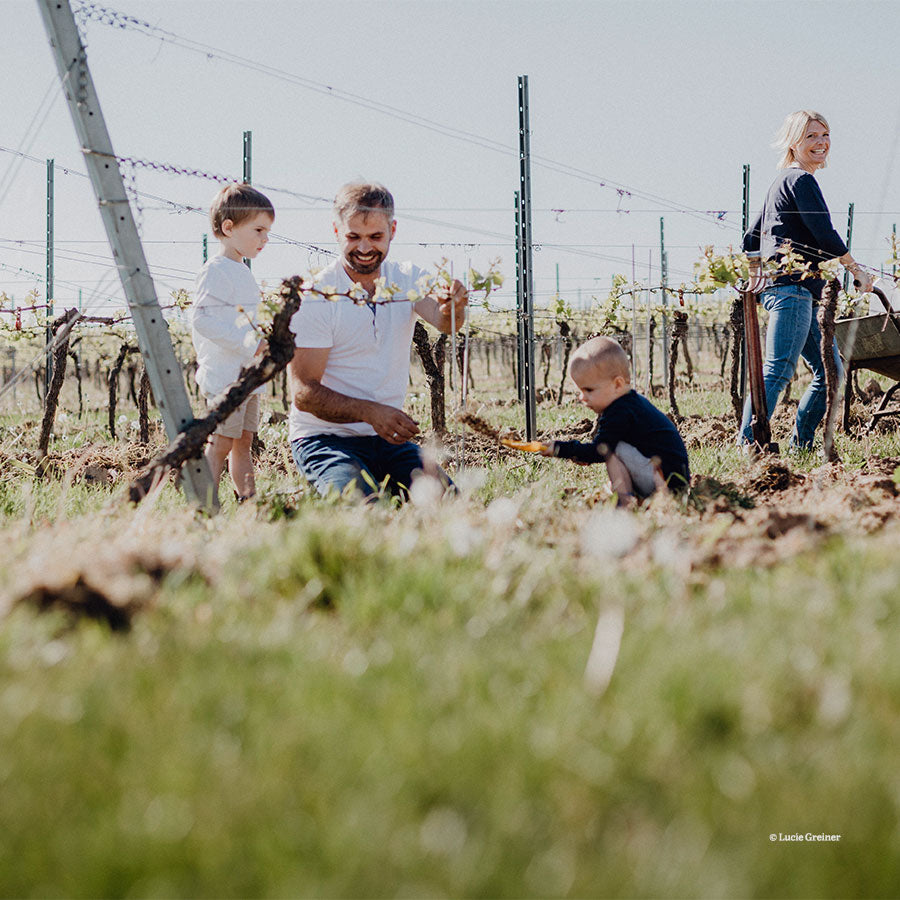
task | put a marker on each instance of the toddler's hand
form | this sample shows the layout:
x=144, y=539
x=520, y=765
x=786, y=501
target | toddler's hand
x=549, y=449
x=263, y=348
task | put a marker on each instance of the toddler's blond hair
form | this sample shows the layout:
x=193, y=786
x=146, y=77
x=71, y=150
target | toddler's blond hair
x=602, y=354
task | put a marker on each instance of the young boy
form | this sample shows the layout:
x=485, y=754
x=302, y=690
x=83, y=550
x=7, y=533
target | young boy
x=225, y=306
x=641, y=447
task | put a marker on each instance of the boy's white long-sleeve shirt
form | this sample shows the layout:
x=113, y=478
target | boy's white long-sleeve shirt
x=225, y=304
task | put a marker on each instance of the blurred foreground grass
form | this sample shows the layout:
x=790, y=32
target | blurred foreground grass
x=348, y=702
x=320, y=700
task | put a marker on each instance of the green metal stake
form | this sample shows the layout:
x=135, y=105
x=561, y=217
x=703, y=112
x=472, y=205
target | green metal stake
x=649, y=322
x=745, y=205
x=526, y=252
x=48, y=368
x=664, y=273
x=79, y=312
x=205, y=247
x=745, y=224
x=520, y=307
x=248, y=157
x=849, y=241
x=247, y=171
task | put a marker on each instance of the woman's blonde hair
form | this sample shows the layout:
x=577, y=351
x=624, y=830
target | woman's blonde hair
x=792, y=130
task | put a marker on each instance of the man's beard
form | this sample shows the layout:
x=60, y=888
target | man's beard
x=365, y=268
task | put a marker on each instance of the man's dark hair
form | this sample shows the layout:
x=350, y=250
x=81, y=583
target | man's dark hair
x=362, y=197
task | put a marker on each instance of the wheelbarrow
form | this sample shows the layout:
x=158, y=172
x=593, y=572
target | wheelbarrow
x=871, y=342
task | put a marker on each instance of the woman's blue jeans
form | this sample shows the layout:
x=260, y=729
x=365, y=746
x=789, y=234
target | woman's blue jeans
x=793, y=332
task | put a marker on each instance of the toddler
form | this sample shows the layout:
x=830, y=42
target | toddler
x=642, y=449
x=225, y=306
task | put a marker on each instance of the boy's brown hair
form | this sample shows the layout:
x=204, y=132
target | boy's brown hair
x=362, y=197
x=237, y=202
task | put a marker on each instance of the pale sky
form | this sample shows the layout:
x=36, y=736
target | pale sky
x=666, y=100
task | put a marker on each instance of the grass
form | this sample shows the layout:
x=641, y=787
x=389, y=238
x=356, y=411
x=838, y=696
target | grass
x=316, y=699
x=378, y=707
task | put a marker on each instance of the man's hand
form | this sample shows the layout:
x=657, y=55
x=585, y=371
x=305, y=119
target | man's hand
x=310, y=395
x=390, y=423
x=436, y=307
x=457, y=297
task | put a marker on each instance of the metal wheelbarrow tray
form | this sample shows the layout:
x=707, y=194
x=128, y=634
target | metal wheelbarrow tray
x=870, y=342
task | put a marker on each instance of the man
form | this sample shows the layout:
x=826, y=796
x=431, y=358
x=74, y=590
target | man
x=350, y=370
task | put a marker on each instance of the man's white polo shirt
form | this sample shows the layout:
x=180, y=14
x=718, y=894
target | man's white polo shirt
x=369, y=344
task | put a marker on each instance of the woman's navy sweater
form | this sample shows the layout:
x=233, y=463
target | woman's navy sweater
x=795, y=213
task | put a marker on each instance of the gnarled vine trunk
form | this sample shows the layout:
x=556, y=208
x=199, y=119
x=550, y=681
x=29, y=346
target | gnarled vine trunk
x=143, y=415
x=61, y=328
x=679, y=330
x=565, y=331
x=433, y=357
x=113, y=383
x=736, y=322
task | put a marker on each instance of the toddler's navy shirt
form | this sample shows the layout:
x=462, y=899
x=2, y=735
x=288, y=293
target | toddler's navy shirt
x=632, y=418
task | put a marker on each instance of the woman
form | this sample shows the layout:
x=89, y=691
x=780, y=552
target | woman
x=795, y=216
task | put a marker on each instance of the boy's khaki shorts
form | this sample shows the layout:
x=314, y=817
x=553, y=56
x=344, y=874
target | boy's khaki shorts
x=244, y=418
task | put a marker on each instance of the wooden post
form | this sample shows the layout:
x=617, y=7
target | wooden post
x=826, y=315
x=759, y=423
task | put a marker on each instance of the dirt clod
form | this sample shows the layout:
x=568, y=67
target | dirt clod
x=771, y=475
x=81, y=599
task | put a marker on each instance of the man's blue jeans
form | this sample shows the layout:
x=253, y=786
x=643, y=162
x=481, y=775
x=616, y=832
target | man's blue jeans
x=330, y=462
x=793, y=332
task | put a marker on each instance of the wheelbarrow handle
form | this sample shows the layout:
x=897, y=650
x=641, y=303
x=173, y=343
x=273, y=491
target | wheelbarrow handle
x=879, y=293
